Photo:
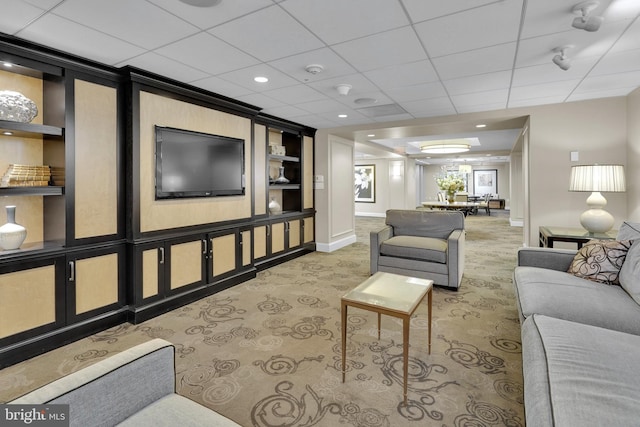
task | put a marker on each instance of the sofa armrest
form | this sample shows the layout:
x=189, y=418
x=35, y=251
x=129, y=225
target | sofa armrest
x=375, y=239
x=111, y=390
x=550, y=258
x=455, y=257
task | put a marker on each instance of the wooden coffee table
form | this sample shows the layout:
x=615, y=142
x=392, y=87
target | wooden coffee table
x=393, y=295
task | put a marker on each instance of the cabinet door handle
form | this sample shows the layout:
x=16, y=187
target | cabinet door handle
x=204, y=246
x=161, y=255
x=268, y=230
x=72, y=271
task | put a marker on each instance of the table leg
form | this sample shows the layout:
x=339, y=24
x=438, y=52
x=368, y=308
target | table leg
x=405, y=345
x=429, y=303
x=344, y=338
x=379, y=316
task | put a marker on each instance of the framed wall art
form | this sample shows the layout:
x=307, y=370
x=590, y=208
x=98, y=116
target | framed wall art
x=365, y=183
x=485, y=182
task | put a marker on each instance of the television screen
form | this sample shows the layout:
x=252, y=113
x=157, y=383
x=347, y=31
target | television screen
x=195, y=164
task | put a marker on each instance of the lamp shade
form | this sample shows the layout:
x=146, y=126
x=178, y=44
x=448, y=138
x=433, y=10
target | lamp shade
x=466, y=169
x=608, y=178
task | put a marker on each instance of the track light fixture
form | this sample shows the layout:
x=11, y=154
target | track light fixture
x=586, y=21
x=561, y=59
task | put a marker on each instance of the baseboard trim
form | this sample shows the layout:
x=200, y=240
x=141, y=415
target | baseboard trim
x=334, y=246
x=372, y=214
x=516, y=222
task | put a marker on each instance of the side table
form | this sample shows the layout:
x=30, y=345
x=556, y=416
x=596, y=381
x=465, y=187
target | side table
x=392, y=295
x=579, y=236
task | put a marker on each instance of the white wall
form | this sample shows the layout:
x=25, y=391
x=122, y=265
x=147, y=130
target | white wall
x=633, y=156
x=395, y=186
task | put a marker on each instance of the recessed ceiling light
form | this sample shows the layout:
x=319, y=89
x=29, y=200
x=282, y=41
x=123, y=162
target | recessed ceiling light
x=342, y=116
x=371, y=135
x=481, y=125
x=444, y=148
x=202, y=3
x=7, y=133
x=261, y=79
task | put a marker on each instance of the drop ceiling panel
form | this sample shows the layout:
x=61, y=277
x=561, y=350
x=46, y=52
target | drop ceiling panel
x=207, y=53
x=245, y=78
x=549, y=72
x=421, y=10
x=295, y=66
x=16, y=14
x=302, y=93
x=560, y=89
x=166, y=67
x=79, y=40
x=137, y=21
x=489, y=81
x=472, y=29
x=476, y=62
x=268, y=34
x=430, y=107
x=612, y=82
x=403, y=74
x=628, y=60
x=221, y=86
x=336, y=21
x=206, y=18
x=382, y=50
x=493, y=97
x=360, y=85
x=421, y=91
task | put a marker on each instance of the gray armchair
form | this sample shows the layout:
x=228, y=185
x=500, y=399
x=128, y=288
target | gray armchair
x=425, y=244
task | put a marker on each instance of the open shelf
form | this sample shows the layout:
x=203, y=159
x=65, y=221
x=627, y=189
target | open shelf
x=284, y=158
x=32, y=191
x=284, y=186
x=29, y=130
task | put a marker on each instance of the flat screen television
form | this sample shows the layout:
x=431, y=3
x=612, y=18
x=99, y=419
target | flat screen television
x=195, y=164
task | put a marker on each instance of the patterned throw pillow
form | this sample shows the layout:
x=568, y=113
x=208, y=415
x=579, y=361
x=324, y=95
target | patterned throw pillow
x=600, y=260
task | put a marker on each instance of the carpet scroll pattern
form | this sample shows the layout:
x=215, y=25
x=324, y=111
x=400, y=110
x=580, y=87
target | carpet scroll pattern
x=268, y=352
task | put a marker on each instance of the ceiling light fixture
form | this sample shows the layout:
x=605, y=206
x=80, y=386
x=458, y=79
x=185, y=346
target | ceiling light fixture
x=442, y=148
x=261, y=79
x=202, y=3
x=342, y=116
x=343, y=89
x=481, y=125
x=586, y=21
x=561, y=59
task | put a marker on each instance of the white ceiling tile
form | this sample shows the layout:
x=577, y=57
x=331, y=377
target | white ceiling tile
x=611, y=63
x=321, y=106
x=550, y=72
x=463, y=109
x=382, y=50
x=166, y=67
x=286, y=111
x=295, y=94
x=498, y=97
x=336, y=21
x=79, y=40
x=268, y=34
x=542, y=100
x=478, y=83
x=403, y=74
x=551, y=16
x=207, y=53
x=205, y=18
x=629, y=39
x=421, y=91
x=142, y=23
x=360, y=85
x=221, y=86
x=604, y=93
x=295, y=65
x=476, y=62
x=609, y=82
x=433, y=106
x=420, y=10
x=260, y=100
x=476, y=28
x=42, y=4
x=16, y=14
x=244, y=77
x=560, y=89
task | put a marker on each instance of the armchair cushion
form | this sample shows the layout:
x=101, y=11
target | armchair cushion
x=414, y=223
x=415, y=247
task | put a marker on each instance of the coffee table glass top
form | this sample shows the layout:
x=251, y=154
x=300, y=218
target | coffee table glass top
x=391, y=291
x=577, y=232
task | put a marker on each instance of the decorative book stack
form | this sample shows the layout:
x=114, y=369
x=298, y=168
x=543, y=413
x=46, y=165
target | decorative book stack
x=26, y=176
x=57, y=176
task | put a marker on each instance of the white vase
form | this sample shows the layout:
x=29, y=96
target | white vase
x=274, y=207
x=11, y=234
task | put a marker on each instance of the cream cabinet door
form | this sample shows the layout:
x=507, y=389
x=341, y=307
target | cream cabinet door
x=95, y=280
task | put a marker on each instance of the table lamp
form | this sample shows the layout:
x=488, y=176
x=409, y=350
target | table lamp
x=597, y=178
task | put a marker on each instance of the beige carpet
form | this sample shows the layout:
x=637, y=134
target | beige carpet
x=267, y=352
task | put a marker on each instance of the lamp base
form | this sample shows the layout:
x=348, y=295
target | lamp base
x=596, y=220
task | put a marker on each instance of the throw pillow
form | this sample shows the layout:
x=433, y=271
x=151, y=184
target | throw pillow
x=629, y=231
x=630, y=272
x=600, y=260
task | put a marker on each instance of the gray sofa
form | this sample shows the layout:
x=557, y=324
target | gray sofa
x=133, y=388
x=424, y=244
x=580, y=339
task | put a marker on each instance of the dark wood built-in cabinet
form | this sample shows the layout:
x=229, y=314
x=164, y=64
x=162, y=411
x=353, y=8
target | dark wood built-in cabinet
x=100, y=249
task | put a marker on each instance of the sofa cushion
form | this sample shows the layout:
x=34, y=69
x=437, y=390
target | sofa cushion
x=176, y=410
x=562, y=295
x=629, y=231
x=600, y=260
x=630, y=272
x=438, y=224
x=416, y=247
x=579, y=375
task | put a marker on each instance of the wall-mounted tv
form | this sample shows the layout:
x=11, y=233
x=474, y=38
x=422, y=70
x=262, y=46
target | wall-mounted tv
x=195, y=164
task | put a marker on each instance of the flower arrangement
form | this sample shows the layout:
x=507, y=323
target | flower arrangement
x=450, y=183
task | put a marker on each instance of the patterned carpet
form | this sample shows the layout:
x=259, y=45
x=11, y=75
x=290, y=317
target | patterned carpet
x=267, y=352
